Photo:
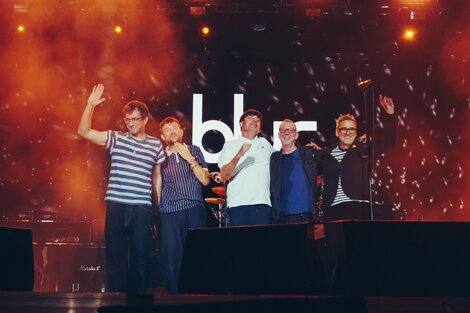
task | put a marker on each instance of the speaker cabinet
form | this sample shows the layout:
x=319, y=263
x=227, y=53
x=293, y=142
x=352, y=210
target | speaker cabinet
x=388, y=258
x=69, y=268
x=275, y=259
x=16, y=262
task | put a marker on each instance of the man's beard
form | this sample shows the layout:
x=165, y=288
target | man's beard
x=172, y=142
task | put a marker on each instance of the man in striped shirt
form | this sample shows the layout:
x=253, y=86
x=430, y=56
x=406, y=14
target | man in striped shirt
x=133, y=179
x=344, y=167
x=182, y=204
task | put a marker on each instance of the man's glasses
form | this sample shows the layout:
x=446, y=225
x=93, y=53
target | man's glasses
x=344, y=130
x=133, y=119
x=288, y=131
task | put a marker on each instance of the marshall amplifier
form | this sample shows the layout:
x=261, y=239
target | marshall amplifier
x=62, y=231
x=69, y=268
x=52, y=231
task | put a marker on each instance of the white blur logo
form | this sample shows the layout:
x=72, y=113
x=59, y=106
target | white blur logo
x=200, y=127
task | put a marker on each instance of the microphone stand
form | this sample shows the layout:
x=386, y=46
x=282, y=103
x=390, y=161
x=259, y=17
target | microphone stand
x=370, y=128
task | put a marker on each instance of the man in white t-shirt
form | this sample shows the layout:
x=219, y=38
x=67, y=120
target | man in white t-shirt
x=244, y=166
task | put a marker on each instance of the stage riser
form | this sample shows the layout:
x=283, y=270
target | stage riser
x=276, y=259
x=378, y=258
x=399, y=258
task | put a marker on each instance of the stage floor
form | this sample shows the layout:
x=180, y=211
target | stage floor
x=29, y=302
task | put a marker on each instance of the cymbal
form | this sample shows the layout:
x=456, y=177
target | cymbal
x=219, y=190
x=215, y=200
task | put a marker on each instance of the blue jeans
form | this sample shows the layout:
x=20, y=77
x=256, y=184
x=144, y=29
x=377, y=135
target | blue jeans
x=172, y=230
x=253, y=214
x=127, y=235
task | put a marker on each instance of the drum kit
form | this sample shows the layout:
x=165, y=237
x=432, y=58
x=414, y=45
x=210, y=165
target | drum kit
x=219, y=203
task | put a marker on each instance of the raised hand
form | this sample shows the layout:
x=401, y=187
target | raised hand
x=95, y=96
x=84, y=126
x=183, y=151
x=228, y=169
x=362, y=138
x=243, y=149
x=387, y=104
x=216, y=177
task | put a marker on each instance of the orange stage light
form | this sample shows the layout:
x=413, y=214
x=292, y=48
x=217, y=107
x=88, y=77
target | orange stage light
x=20, y=28
x=417, y=3
x=117, y=29
x=409, y=34
x=205, y=30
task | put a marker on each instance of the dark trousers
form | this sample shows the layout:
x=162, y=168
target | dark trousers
x=254, y=214
x=296, y=218
x=172, y=230
x=127, y=235
x=351, y=210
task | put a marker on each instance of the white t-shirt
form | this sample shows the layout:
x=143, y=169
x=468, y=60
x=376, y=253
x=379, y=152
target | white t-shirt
x=250, y=181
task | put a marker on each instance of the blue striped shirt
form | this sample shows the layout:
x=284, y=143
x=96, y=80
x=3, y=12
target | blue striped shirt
x=181, y=189
x=132, y=162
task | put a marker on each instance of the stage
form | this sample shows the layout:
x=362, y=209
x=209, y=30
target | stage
x=344, y=266
x=29, y=302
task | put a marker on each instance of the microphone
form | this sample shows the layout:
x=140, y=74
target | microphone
x=364, y=83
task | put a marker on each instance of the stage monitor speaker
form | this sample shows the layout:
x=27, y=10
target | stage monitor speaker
x=69, y=268
x=386, y=258
x=16, y=263
x=275, y=259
